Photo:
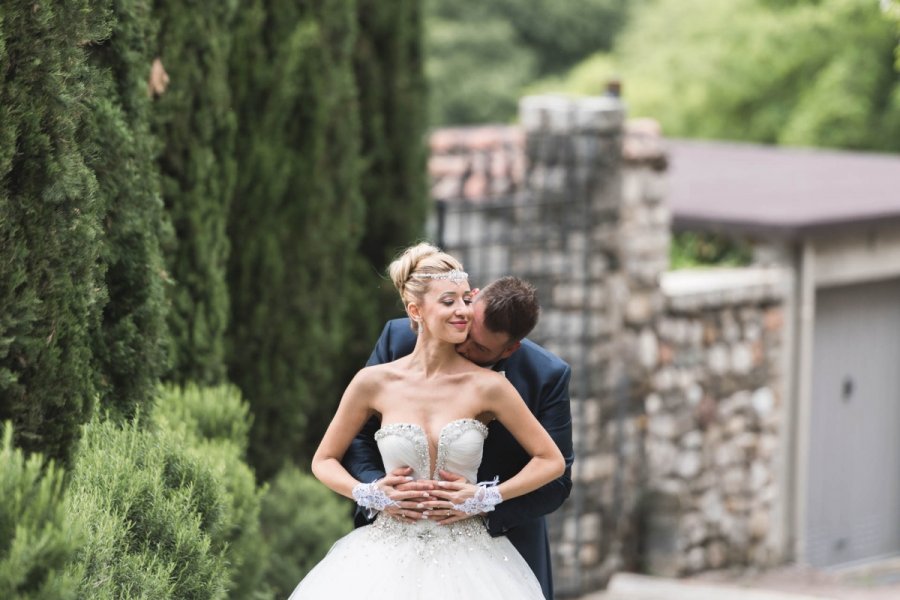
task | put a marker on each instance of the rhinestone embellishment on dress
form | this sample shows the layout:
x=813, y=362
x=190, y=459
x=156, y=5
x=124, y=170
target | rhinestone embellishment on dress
x=416, y=434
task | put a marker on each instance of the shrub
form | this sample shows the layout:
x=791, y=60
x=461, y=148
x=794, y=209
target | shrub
x=212, y=414
x=154, y=509
x=301, y=519
x=38, y=540
x=214, y=424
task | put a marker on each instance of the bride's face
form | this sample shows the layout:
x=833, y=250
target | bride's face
x=446, y=310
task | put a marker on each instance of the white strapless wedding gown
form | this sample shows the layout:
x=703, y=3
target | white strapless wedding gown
x=393, y=560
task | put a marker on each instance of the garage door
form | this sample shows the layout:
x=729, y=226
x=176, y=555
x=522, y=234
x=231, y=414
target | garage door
x=853, y=511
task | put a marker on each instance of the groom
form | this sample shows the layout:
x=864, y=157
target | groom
x=504, y=313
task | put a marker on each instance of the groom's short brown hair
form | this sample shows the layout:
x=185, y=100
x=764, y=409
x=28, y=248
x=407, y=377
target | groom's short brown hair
x=510, y=306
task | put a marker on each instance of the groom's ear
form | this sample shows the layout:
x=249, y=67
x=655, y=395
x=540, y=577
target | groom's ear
x=510, y=349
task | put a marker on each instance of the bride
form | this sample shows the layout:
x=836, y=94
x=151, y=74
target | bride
x=433, y=406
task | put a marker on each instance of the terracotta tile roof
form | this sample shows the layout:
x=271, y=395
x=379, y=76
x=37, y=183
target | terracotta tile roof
x=786, y=191
x=487, y=162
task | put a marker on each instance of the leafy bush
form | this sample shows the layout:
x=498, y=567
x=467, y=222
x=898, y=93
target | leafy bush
x=215, y=424
x=173, y=508
x=155, y=510
x=38, y=541
x=301, y=519
x=211, y=414
x=696, y=249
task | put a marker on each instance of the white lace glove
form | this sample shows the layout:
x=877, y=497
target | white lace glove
x=371, y=497
x=486, y=497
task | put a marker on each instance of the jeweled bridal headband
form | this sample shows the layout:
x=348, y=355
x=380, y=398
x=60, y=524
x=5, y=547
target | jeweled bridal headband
x=456, y=276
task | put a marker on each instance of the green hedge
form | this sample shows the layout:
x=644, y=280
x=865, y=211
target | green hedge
x=301, y=519
x=51, y=288
x=196, y=123
x=130, y=341
x=296, y=219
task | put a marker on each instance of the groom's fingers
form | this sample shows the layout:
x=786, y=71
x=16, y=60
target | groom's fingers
x=405, y=515
x=419, y=484
x=446, y=517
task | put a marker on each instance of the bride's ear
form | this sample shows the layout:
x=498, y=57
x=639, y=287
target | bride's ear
x=412, y=309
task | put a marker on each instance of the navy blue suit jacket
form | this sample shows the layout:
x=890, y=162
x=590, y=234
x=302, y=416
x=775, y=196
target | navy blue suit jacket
x=542, y=379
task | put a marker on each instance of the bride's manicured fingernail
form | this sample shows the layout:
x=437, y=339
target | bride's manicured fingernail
x=409, y=478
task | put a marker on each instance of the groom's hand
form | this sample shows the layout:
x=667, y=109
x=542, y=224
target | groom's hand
x=444, y=515
x=409, y=495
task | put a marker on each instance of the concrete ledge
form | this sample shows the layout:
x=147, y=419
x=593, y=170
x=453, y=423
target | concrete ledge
x=692, y=289
x=629, y=586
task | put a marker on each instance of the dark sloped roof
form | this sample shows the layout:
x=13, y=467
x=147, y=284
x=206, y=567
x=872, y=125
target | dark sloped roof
x=778, y=190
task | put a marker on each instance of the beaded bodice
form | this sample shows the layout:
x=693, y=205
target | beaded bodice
x=459, y=448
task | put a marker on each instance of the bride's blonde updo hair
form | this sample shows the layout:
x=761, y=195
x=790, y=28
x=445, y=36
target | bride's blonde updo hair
x=420, y=259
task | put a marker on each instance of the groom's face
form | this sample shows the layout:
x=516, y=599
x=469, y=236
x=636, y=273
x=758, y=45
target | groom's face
x=483, y=346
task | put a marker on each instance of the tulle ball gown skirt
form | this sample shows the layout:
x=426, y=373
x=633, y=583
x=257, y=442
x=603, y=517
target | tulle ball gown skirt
x=392, y=560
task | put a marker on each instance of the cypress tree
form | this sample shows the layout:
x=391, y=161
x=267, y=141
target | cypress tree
x=129, y=343
x=389, y=72
x=51, y=286
x=296, y=217
x=388, y=63
x=197, y=125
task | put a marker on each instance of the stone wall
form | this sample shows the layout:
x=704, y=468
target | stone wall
x=674, y=389
x=713, y=423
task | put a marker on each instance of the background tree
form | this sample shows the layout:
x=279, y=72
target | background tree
x=196, y=123
x=482, y=55
x=129, y=345
x=388, y=67
x=51, y=288
x=768, y=76
x=296, y=218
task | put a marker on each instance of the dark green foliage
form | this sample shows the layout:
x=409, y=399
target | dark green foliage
x=301, y=519
x=38, y=540
x=129, y=345
x=51, y=289
x=296, y=219
x=197, y=126
x=391, y=83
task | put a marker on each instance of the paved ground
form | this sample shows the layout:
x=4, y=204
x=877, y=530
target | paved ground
x=874, y=581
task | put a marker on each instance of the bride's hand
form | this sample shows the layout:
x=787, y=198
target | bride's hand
x=409, y=495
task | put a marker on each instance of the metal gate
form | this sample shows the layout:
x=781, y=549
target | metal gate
x=853, y=510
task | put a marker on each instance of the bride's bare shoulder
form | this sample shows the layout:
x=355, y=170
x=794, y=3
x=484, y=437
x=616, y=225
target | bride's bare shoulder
x=377, y=375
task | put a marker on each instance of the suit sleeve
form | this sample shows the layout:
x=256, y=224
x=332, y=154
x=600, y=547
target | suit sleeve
x=556, y=417
x=382, y=352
